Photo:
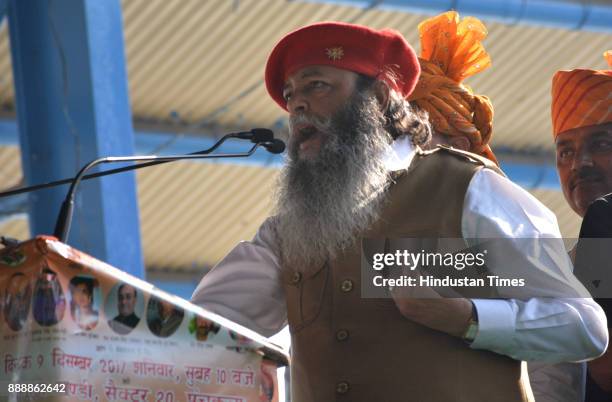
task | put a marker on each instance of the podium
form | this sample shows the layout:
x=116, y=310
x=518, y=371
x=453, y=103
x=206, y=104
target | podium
x=74, y=328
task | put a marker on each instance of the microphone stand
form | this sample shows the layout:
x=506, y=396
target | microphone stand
x=64, y=220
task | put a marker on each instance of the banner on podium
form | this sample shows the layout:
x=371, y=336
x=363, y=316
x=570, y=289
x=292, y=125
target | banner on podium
x=77, y=329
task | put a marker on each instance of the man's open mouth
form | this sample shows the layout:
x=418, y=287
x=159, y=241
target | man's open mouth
x=305, y=132
x=305, y=135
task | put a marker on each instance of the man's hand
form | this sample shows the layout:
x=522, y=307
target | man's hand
x=426, y=307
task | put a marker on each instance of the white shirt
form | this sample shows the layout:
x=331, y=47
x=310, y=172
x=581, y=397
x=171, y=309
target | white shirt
x=246, y=288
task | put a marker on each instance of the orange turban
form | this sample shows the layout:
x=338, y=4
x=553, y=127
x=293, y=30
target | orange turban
x=451, y=50
x=581, y=98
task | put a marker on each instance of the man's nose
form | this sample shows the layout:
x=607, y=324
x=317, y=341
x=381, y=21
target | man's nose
x=297, y=103
x=583, y=159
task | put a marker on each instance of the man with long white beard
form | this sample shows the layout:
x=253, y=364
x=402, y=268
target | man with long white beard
x=327, y=195
x=355, y=171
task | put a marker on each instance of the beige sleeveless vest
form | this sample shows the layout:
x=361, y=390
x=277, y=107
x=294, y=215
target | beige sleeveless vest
x=348, y=348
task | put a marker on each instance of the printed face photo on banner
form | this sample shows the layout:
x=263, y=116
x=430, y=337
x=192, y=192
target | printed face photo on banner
x=204, y=329
x=84, y=301
x=16, y=301
x=126, y=305
x=163, y=318
x=49, y=303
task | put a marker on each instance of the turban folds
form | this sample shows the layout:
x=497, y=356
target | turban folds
x=350, y=47
x=451, y=50
x=581, y=98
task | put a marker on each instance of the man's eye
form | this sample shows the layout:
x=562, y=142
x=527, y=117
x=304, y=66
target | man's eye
x=318, y=84
x=602, y=145
x=565, y=154
x=287, y=96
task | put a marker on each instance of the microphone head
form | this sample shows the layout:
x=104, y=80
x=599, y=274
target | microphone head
x=261, y=135
x=274, y=146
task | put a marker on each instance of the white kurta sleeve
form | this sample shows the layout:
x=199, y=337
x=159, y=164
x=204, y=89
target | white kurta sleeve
x=566, y=325
x=245, y=286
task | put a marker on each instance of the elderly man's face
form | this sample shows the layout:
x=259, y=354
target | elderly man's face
x=335, y=178
x=313, y=94
x=584, y=162
x=126, y=300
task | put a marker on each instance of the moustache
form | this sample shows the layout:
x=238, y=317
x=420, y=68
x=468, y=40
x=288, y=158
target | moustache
x=303, y=121
x=586, y=174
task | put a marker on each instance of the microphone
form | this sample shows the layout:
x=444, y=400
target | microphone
x=256, y=135
x=274, y=146
x=64, y=219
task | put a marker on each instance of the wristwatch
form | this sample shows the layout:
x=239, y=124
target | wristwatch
x=472, y=329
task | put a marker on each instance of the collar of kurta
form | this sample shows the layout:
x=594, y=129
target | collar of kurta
x=400, y=155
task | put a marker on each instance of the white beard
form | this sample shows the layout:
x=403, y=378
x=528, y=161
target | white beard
x=325, y=203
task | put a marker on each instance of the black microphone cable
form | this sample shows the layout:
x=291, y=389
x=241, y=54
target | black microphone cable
x=256, y=135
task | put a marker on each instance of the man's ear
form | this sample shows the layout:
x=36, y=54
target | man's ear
x=382, y=93
x=459, y=142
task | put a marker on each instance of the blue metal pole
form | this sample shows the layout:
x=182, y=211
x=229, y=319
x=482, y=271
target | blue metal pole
x=3, y=5
x=73, y=106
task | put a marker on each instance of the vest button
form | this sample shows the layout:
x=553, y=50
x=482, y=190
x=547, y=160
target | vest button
x=296, y=278
x=342, y=335
x=342, y=387
x=347, y=285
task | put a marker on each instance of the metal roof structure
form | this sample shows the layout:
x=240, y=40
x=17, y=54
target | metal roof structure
x=196, y=67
